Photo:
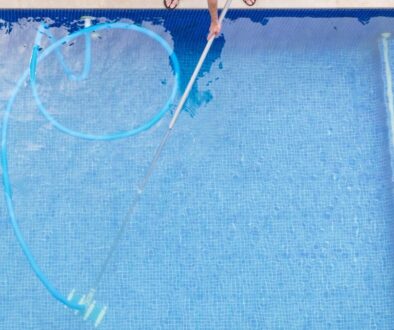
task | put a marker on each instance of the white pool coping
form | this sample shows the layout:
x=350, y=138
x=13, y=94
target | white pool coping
x=189, y=4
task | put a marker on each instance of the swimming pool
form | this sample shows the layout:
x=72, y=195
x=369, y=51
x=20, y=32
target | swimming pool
x=271, y=206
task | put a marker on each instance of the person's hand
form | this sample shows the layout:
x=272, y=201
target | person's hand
x=214, y=30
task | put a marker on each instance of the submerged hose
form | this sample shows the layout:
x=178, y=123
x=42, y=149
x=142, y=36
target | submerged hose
x=140, y=188
x=44, y=30
x=37, y=58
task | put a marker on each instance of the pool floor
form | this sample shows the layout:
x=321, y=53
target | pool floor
x=272, y=204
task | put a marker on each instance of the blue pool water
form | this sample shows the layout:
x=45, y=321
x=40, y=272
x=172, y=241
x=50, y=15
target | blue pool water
x=271, y=206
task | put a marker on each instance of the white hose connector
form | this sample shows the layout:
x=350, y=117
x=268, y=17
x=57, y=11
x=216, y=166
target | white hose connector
x=92, y=311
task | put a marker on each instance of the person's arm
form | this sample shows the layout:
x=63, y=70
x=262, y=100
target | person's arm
x=214, y=30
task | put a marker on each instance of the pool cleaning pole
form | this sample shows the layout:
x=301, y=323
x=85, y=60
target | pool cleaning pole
x=164, y=140
x=197, y=70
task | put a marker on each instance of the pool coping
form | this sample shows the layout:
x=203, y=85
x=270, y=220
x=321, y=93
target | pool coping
x=194, y=4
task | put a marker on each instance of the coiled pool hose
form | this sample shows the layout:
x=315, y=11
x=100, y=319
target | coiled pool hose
x=37, y=58
x=85, y=304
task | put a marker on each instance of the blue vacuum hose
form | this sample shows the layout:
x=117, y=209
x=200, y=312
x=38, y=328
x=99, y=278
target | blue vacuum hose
x=36, y=58
x=85, y=304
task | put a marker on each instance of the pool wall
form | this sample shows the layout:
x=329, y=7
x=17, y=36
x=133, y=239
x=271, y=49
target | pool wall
x=157, y=4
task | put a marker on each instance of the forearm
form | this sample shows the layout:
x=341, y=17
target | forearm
x=213, y=10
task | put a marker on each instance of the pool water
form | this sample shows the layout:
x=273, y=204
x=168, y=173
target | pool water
x=271, y=206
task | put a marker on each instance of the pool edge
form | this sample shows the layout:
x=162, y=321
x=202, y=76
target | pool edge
x=194, y=4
